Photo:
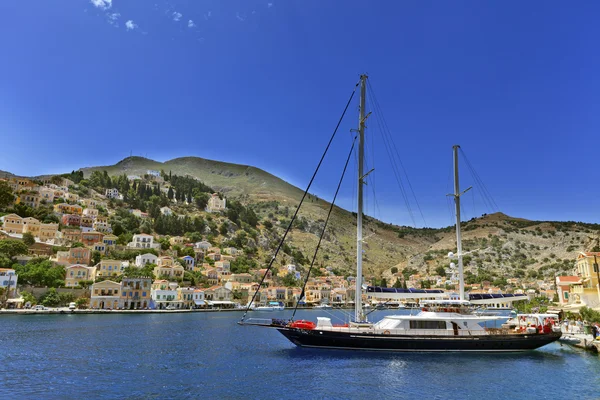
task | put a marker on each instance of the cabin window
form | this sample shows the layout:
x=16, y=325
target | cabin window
x=427, y=324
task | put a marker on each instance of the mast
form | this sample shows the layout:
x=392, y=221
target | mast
x=457, y=195
x=358, y=311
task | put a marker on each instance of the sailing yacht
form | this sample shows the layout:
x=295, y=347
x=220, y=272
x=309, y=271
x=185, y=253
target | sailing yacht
x=440, y=325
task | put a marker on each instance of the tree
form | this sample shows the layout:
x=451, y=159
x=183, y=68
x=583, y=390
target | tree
x=81, y=302
x=28, y=298
x=440, y=270
x=201, y=200
x=394, y=270
x=96, y=257
x=28, y=238
x=9, y=248
x=290, y=280
x=170, y=193
x=6, y=195
x=41, y=272
x=223, y=229
x=51, y=298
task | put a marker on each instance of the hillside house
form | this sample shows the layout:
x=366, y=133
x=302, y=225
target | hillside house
x=142, y=241
x=71, y=220
x=112, y=193
x=215, y=203
x=76, y=273
x=143, y=259
x=12, y=223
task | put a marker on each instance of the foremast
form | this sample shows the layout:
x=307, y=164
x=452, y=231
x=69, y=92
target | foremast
x=358, y=310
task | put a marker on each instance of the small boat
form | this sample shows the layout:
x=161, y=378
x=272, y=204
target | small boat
x=324, y=306
x=271, y=306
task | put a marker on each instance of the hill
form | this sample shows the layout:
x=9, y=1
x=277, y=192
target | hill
x=500, y=246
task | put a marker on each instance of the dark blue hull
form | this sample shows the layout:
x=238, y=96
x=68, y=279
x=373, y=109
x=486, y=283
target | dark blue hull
x=366, y=341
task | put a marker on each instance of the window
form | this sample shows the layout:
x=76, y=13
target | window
x=143, y=294
x=427, y=324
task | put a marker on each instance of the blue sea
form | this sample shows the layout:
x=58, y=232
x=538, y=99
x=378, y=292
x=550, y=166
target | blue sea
x=209, y=356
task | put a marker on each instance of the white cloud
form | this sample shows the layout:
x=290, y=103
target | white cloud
x=177, y=16
x=112, y=18
x=102, y=4
x=130, y=25
x=240, y=17
x=191, y=24
x=269, y=5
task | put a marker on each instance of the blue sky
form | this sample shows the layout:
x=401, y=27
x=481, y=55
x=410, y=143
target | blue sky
x=263, y=83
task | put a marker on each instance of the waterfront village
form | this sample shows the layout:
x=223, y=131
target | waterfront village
x=68, y=239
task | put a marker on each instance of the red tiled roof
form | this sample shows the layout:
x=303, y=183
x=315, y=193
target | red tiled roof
x=568, y=279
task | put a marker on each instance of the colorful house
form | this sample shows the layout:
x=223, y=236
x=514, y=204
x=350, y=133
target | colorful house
x=12, y=223
x=76, y=273
x=106, y=295
x=135, y=293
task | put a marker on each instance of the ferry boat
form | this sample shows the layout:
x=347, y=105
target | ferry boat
x=441, y=325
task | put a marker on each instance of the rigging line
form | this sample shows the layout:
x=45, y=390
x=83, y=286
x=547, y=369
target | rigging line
x=449, y=201
x=324, y=227
x=480, y=180
x=397, y=175
x=395, y=168
x=301, y=201
x=369, y=85
x=478, y=184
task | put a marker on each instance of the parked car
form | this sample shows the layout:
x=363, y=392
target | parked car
x=72, y=306
x=39, y=307
x=170, y=308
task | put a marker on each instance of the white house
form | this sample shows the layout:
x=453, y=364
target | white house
x=204, y=245
x=190, y=262
x=215, y=203
x=8, y=280
x=166, y=296
x=166, y=211
x=142, y=241
x=112, y=193
x=143, y=259
x=153, y=172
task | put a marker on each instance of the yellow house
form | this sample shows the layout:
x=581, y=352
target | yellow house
x=109, y=268
x=32, y=226
x=29, y=198
x=175, y=271
x=587, y=270
x=48, y=231
x=76, y=273
x=13, y=223
x=135, y=293
x=177, y=240
x=91, y=212
x=106, y=295
x=64, y=208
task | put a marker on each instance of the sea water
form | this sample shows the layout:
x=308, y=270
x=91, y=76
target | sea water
x=209, y=356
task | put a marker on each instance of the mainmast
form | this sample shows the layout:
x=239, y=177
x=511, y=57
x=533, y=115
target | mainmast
x=457, y=195
x=358, y=311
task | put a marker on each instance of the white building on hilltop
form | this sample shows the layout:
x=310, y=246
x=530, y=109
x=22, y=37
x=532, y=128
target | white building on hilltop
x=215, y=203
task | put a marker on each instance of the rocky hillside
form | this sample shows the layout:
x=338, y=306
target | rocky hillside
x=500, y=246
